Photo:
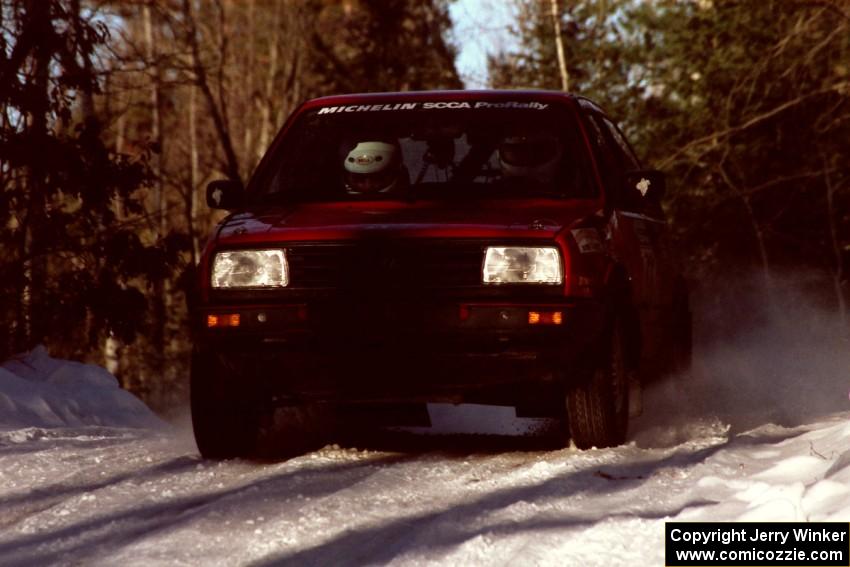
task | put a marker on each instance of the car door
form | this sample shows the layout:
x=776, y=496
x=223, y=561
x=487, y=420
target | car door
x=638, y=232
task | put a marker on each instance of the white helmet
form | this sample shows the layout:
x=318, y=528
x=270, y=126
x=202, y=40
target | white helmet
x=535, y=155
x=372, y=167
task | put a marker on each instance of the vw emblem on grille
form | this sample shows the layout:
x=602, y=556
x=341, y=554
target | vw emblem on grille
x=382, y=265
x=389, y=263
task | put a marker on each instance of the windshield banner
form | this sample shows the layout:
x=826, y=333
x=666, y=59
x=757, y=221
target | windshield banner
x=431, y=105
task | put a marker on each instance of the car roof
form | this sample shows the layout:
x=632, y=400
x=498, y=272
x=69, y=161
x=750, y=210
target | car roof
x=440, y=95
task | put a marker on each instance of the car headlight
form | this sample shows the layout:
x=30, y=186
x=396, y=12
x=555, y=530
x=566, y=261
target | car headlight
x=250, y=269
x=521, y=264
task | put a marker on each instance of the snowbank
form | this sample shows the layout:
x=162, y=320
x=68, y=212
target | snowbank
x=39, y=391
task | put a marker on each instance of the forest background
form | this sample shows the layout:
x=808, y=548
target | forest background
x=114, y=115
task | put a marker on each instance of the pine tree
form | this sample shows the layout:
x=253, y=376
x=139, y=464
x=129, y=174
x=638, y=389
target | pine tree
x=743, y=104
x=73, y=266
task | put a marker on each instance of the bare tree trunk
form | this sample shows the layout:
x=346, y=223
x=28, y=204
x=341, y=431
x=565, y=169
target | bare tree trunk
x=250, y=90
x=34, y=273
x=160, y=290
x=292, y=88
x=23, y=339
x=757, y=232
x=193, y=173
x=559, y=44
x=112, y=346
x=111, y=355
x=87, y=98
x=838, y=269
x=90, y=119
x=120, y=133
x=266, y=104
x=201, y=81
x=292, y=85
x=156, y=118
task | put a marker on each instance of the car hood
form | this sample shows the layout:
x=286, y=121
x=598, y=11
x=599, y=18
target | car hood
x=543, y=218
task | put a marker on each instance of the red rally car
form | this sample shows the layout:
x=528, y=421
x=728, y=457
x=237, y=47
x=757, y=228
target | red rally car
x=394, y=249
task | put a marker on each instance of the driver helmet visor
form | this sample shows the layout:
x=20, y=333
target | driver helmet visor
x=370, y=182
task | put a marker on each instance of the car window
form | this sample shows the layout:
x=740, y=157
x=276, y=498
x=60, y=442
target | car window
x=615, y=159
x=621, y=145
x=425, y=152
x=607, y=161
x=644, y=204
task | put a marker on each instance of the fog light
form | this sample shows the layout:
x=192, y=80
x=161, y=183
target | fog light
x=545, y=317
x=230, y=320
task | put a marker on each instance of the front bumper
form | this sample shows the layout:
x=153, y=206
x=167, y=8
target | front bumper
x=357, y=349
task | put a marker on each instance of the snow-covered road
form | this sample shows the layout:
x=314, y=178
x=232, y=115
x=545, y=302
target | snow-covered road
x=107, y=496
x=89, y=477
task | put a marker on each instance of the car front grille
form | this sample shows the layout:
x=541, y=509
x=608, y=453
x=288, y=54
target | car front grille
x=383, y=265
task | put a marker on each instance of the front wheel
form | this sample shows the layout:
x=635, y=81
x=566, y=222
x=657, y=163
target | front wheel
x=598, y=408
x=225, y=416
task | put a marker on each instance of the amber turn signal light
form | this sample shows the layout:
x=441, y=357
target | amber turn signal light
x=545, y=317
x=231, y=320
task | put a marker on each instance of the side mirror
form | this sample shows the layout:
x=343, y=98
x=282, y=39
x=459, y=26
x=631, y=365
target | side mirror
x=649, y=183
x=225, y=194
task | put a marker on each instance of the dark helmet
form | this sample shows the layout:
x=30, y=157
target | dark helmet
x=535, y=155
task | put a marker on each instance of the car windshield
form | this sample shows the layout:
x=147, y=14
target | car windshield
x=421, y=150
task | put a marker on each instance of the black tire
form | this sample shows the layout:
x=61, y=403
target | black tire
x=293, y=430
x=598, y=408
x=225, y=417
